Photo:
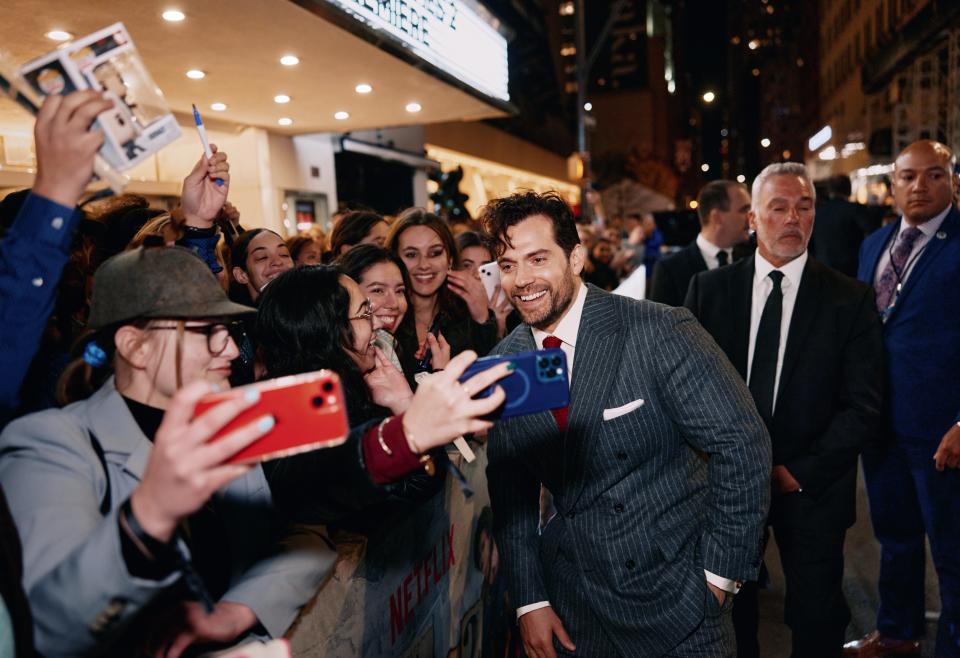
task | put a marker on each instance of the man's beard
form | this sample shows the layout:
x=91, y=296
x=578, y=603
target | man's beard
x=560, y=300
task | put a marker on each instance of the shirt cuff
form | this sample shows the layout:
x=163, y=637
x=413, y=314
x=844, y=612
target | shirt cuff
x=524, y=609
x=388, y=465
x=727, y=585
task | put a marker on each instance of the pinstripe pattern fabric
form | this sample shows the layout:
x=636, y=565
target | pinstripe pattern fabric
x=640, y=514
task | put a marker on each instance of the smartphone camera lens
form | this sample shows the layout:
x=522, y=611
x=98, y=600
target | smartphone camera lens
x=544, y=362
x=556, y=360
x=317, y=401
x=327, y=386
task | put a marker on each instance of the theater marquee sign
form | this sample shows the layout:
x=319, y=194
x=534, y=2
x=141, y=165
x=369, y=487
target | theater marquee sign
x=458, y=37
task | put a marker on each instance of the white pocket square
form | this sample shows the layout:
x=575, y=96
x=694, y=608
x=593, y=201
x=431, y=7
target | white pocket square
x=610, y=414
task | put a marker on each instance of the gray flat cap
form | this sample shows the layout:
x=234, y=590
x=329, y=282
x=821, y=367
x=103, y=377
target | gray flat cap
x=157, y=282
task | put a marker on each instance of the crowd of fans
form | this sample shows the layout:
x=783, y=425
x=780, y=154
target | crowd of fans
x=117, y=318
x=128, y=316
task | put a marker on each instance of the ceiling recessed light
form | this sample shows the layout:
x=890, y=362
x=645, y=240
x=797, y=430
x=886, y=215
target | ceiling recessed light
x=341, y=116
x=173, y=15
x=289, y=60
x=285, y=121
x=196, y=74
x=281, y=99
x=363, y=88
x=413, y=107
x=59, y=35
x=218, y=107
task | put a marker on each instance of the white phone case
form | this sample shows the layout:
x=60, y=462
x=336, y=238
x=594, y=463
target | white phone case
x=490, y=277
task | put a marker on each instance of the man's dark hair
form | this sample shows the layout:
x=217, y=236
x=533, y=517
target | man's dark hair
x=839, y=187
x=501, y=214
x=715, y=195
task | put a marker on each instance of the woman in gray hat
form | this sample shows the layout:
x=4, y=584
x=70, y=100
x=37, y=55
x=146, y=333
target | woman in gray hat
x=130, y=520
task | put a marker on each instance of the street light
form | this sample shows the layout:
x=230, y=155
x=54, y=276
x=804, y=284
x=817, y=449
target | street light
x=709, y=97
x=765, y=143
x=704, y=167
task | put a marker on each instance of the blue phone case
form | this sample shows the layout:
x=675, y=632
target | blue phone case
x=539, y=382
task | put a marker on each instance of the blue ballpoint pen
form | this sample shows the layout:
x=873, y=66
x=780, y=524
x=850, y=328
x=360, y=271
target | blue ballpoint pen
x=203, y=138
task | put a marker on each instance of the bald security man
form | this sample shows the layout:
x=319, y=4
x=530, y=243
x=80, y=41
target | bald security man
x=912, y=479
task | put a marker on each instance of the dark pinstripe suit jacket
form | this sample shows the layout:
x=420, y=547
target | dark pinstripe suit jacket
x=640, y=514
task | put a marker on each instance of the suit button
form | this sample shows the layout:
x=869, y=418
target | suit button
x=622, y=456
x=630, y=564
x=618, y=507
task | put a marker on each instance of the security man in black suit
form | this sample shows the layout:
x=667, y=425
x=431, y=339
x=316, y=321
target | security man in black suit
x=807, y=340
x=722, y=206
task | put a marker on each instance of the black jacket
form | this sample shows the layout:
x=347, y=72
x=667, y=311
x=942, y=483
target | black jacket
x=671, y=275
x=830, y=395
x=838, y=232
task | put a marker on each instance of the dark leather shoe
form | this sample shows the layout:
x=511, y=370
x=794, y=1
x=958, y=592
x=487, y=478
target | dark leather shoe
x=876, y=645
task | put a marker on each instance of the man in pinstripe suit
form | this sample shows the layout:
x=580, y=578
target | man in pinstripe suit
x=650, y=540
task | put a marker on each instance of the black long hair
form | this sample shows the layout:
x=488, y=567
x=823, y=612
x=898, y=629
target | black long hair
x=303, y=325
x=364, y=256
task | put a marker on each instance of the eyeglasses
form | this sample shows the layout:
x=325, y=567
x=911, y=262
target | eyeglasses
x=365, y=314
x=218, y=334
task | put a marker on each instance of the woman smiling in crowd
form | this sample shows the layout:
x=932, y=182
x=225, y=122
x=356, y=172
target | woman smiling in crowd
x=445, y=302
x=257, y=257
x=384, y=279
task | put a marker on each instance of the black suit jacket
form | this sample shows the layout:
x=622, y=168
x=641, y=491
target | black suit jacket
x=671, y=275
x=830, y=394
x=838, y=233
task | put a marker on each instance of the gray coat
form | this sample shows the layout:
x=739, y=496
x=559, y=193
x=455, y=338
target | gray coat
x=81, y=593
x=640, y=513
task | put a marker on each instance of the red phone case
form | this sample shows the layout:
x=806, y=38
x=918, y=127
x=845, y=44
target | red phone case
x=309, y=410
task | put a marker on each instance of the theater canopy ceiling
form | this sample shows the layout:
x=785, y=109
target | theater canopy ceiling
x=425, y=61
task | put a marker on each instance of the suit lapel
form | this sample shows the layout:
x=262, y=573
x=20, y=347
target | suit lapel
x=741, y=296
x=598, y=349
x=872, y=256
x=949, y=228
x=697, y=264
x=805, y=311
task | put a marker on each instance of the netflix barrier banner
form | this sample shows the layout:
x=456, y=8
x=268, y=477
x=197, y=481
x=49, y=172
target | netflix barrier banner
x=429, y=588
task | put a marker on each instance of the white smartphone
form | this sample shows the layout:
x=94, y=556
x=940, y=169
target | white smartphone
x=490, y=277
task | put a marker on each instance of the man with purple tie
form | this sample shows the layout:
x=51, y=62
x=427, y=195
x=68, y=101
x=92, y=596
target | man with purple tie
x=912, y=477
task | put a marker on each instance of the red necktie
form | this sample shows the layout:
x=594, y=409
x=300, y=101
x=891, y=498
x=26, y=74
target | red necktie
x=559, y=415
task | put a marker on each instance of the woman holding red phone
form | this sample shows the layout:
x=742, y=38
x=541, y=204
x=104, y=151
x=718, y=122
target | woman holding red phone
x=137, y=538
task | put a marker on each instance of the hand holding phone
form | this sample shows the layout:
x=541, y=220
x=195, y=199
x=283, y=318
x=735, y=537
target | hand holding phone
x=490, y=278
x=539, y=382
x=309, y=411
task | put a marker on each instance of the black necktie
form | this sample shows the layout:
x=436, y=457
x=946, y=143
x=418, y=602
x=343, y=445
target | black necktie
x=763, y=373
x=722, y=258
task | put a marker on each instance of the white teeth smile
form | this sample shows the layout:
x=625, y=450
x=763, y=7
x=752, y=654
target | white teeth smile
x=533, y=296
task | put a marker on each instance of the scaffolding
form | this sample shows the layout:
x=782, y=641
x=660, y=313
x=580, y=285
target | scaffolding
x=926, y=95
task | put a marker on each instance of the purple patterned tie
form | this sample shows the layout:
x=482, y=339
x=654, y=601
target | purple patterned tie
x=898, y=261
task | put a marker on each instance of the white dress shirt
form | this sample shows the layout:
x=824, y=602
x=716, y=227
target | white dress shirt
x=762, y=285
x=709, y=252
x=566, y=331
x=928, y=229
